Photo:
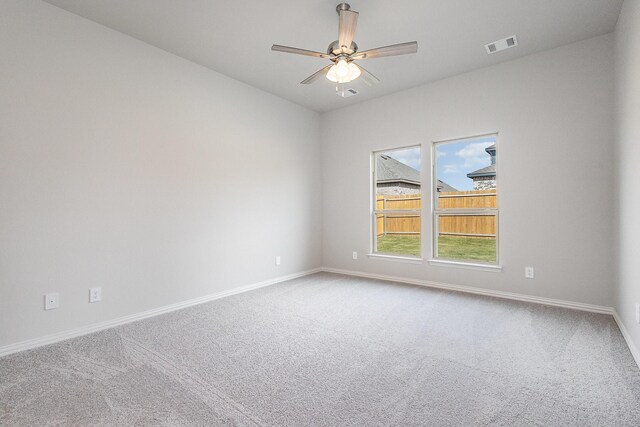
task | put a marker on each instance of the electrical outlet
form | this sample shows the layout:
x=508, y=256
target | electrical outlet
x=95, y=294
x=528, y=272
x=51, y=301
x=355, y=255
x=637, y=313
x=278, y=260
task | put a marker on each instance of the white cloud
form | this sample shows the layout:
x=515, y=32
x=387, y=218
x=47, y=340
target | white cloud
x=409, y=156
x=440, y=154
x=450, y=169
x=474, y=154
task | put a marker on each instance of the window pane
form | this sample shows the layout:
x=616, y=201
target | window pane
x=466, y=173
x=465, y=199
x=398, y=174
x=467, y=237
x=398, y=234
x=478, y=199
x=398, y=190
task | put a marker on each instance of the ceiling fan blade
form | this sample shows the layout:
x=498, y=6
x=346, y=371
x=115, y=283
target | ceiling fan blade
x=346, y=29
x=394, y=49
x=368, y=78
x=315, y=76
x=287, y=49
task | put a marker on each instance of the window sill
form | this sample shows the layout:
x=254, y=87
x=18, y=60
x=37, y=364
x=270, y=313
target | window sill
x=466, y=265
x=410, y=260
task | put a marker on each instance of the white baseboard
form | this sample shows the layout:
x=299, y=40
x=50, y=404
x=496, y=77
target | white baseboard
x=61, y=336
x=479, y=291
x=84, y=330
x=632, y=347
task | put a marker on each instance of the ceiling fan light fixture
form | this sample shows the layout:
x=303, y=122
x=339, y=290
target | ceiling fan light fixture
x=343, y=72
x=344, y=51
x=342, y=69
x=354, y=71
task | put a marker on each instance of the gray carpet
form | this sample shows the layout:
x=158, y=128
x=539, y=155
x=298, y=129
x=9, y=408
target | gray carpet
x=330, y=350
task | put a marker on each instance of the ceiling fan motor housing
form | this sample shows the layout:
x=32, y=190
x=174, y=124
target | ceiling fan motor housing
x=334, y=48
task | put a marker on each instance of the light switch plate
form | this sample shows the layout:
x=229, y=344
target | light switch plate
x=95, y=294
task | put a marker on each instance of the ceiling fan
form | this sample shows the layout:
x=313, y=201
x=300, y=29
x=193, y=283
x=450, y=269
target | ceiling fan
x=344, y=51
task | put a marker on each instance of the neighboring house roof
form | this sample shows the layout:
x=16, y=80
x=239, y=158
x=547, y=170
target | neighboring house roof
x=443, y=186
x=488, y=171
x=389, y=170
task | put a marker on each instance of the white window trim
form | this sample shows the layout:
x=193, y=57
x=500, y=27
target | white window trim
x=441, y=262
x=397, y=258
x=463, y=263
x=372, y=225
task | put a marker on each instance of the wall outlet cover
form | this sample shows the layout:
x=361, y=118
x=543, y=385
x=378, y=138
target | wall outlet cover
x=51, y=301
x=528, y=272
x=278, y=260
x=355, y=255
x=637, y=312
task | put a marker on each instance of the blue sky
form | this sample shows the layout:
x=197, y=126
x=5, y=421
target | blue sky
x=454, y=160
x=408, y=156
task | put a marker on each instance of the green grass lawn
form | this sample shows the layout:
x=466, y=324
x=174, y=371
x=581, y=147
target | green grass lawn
x=399, y=244
x=458, y=247
x=453, y=247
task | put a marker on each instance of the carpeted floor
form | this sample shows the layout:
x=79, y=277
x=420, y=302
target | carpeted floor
x=330, y=350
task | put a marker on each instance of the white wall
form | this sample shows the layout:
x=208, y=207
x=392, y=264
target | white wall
x=126, y=167
x=553, y=112
x=627, y=47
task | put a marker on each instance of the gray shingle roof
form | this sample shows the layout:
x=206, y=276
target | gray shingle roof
x=389, y=169
x=487, y=171
x=443, y=186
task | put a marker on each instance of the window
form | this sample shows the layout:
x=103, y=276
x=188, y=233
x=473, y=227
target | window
x=397, y=200
x=465, y=208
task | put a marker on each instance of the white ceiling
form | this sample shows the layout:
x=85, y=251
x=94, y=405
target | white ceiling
x=235, y=37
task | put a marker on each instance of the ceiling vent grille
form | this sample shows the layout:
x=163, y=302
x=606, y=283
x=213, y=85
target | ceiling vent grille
x=346, y=93
x=502, y=44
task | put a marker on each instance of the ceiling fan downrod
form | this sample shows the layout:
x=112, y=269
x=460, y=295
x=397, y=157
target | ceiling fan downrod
x=342, y=6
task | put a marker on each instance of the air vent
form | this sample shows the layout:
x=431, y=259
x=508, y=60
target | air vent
x=346, y=93
x=503, y=44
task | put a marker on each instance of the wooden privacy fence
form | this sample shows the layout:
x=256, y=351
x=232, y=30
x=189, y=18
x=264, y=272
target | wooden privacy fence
x=480, y=226
x=398, y=224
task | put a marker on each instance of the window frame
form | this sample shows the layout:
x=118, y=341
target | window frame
x=437, y=213
x=373, y=252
